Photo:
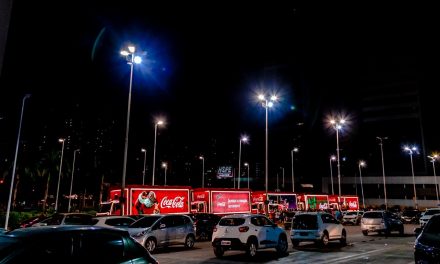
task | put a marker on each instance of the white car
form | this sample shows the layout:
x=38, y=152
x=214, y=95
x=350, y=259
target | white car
x=317, y=227
x=352, y=217
x=427, y=215
x=248, y=232
x=118, y=221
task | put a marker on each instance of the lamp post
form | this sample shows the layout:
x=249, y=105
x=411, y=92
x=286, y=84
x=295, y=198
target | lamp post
x=165, y=166
x=332, y=158
x=433, y=158
x=242, y=139
x=337, y=125
x=61, y=140
x=266, y=104
x=143, y=171
x=158, y=123
x=293, y=172
x=282, y=185
x=15, y=162
x=410, y=151
x=131, y=60
x=362, y=164
x=383, y=170
x=71, y=179
x=247, y=165
x=203, y=171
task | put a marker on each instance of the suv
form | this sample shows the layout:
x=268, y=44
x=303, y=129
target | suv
x=204, y=223
x=427, y=245
x=153, y=231
x=381, y=222
x=317, y=227
x=352, y=217
x=248, y=232
x=427, y=215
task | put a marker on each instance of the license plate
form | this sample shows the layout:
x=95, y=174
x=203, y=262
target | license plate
x=225, y=243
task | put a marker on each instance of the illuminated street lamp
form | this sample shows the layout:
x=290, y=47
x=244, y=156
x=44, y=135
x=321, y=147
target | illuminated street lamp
x=165, y=166
x=433, y=158
x=383, y=171
x=242, y=139
x=71, y=179
x=332, y=158
x=337, y=125
x=143, y=171
x=293, y=172
x=158, y=123
x=61, y=140
x=203, y=171
x=411, y=151
x=362, y=164
x=131, y=60
x=247, y=165
x=15, y=162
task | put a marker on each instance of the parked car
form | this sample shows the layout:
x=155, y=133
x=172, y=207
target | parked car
x=427, y=245
x=71, y=244
x=288, y=216
x=427, y=215
x=352, y=217
x=381, y=222
x=118, y=221
x=248, y=232
x=317, y=227
x=153, y=231
x=410, y=216
x=66, y=219
x=204, y=223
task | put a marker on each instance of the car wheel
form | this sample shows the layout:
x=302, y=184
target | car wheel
x=189, y=241
x=402, y=231
x=324, y=239
x=252, y=247
x=295, y=243
x=365, y=232
x=282, y=245
x=219, y=251
x=344, y=238
x=150, y=245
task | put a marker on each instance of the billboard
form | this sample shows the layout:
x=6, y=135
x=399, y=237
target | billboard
x=225, y=172
x=159, y=201
x=317, y=202
x=229, y=202
x=351, y=203
x=287, y=201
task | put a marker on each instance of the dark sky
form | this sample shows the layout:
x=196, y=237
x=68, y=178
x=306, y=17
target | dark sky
x=204, y=64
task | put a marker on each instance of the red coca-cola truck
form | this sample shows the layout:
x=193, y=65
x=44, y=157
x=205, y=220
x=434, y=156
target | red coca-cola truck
x=141, y=199
x=220, y=201
x=313, y=202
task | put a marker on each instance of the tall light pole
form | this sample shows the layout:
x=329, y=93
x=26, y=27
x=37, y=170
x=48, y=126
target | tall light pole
x=203, y=171
x=165, y=166
x=143, y=171
x=15, y=162
x=282, y=185
x=242, y=139
x=247, y=165
x=383, y=170
x=410, y=151
x=337, y=125
x=332, y=158
x=266, y=104
x=71, y=179
x=61, y=140
x=131, y=60
x=158, y=123
x=433, y=158
x=362, y=164
x=293, y=171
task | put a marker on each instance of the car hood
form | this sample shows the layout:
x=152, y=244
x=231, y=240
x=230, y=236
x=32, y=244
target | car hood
x=432, y=240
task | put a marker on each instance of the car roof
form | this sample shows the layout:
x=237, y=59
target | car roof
x=57, y=229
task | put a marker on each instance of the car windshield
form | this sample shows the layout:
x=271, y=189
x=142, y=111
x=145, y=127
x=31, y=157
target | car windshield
x=230, y=221
x=432, y=212
x=145, y=222
x=305, y=221
x=373, y=215
x=351, y=213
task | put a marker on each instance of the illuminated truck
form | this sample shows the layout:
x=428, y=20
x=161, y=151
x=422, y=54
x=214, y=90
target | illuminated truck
x=281, y=201
x=313, y=202
x=141, y=199
x=344, y=203
x=220, y=201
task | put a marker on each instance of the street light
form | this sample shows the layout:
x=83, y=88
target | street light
x=410, y=151
x=332, y=158
x=131, y=60
x=15, y=162
x=71, y=179
x=61, y=140
x=165, y=166
x=337, y=125
x=266, y=104
x=242, y=139
x=383, y=171
x=203, y=171
x=143, y=172
x=293, y=172
x=158, y=123
x=433, y=158
x=362, y=164
x=247, y=165
x=282, y=185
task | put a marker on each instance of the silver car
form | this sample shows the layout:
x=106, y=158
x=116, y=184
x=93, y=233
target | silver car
x=155, y=231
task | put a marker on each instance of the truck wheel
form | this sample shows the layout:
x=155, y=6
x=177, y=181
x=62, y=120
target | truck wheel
x=150, y=245
x=252, y=247
x=282, y=245
x=219, y=251
x=189, y=241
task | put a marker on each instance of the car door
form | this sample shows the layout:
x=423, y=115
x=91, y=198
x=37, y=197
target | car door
x=179, y=228
x=163, y=231
x=270, y=230
x=332, y=225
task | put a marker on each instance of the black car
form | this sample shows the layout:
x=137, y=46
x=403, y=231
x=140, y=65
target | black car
x=410, y=216
x=204, y=223
x=71, y=244
x=427, y=245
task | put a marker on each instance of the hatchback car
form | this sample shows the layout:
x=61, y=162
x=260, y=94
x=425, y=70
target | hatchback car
x=204, y=223
x=410, y=216
x=153, y=231
x=427, y=245
x=352, y=217
x=248, y=232
x=381, y=222
x=427, y=215
x=317, y=227
x=71, y=244
x=66, y=219
x=118, y=221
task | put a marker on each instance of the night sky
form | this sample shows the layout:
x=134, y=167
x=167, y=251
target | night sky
x=204, y=64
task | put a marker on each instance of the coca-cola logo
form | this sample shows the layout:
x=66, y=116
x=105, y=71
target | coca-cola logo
x=200, y=196
x=323, y=206
x=177, y=202
x=257, y=199
x=352, y=204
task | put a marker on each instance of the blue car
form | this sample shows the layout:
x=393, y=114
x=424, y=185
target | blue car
x=427, y=245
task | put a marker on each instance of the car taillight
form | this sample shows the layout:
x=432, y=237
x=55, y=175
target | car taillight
x=243, y=229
